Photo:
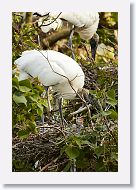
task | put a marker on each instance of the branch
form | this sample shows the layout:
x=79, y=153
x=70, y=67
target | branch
x=52, y=21
x=52, y=39
x=80, y=110
x=52, y=128
x=47, y=165
x=28, y=17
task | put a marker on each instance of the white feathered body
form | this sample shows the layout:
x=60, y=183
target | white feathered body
x=52, y=69
x=86, y=23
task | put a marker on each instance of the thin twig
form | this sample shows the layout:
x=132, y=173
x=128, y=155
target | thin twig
x=52, y=21
x=47, y=165
x=53, y=128
x=80, y=110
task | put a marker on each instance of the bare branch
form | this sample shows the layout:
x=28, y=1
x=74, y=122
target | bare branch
x=80, y=110
x=53, y=128
x=28, y=17
x=47, y=165
x=51, y=22
x=50, y=40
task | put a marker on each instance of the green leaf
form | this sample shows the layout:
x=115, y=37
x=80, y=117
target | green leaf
x=62, y=150
x=39, y=88
x=24, y=89
x=25, y=83
x=72, y=152
x=85, y=142
x=67, y=167
x=111, y=94
x=99, y=151
x=106, y=113
x=39, y=112
x=40, y=106
x=44, y=103
x=15, y=83
x=78, y=142
x=23, y=134
x=32, y=127
x=19, y=98
x=34, y=98
x=112, y=102
x=39, y=109
x=20, y=117
x=113, y=115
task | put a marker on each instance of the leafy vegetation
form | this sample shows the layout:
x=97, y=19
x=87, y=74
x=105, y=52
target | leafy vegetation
x=88, y=142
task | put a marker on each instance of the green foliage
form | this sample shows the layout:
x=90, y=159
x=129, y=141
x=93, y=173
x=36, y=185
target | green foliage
x=22, y=166
x=24, y=36
x=27, y=106
x=95, y=148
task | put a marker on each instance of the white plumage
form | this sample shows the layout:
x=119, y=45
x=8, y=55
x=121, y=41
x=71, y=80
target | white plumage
x=52, y=69
x=49, y=24
x=86, y=23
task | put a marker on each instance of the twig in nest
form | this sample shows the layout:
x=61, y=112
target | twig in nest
x=47, y=165
x=81, y=110
x=84, y=46
x=53, y=128
x=68, y=47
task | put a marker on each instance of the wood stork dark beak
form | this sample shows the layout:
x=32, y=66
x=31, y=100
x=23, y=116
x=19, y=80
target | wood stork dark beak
x=94, y=44
x=39, y=15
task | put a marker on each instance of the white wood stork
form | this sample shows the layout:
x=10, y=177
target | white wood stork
x=85, y=23
x=54, y=69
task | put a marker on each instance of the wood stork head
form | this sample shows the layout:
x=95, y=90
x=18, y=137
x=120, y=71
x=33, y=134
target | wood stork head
x=94, y=44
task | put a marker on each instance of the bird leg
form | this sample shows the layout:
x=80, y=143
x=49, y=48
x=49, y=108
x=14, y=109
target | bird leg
x=94, y=44
x=42, y=118
x=60, y=100
x=48, y=100
x=70, y=42
x=49, y=104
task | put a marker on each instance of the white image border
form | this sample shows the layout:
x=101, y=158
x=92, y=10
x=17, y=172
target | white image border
x=123, y=174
